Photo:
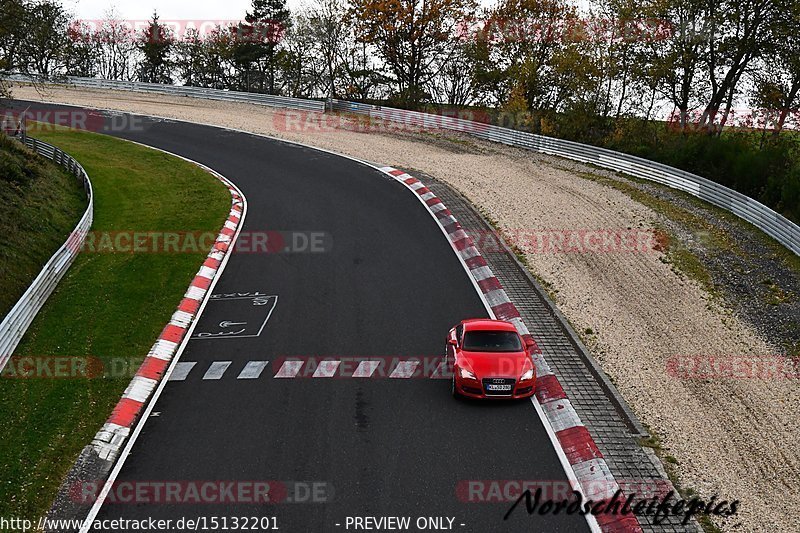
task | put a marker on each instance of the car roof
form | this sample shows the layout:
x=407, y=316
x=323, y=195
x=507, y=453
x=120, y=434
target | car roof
x=473, y=324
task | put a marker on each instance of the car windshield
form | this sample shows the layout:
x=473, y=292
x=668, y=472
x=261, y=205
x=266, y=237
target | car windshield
x=492, y=341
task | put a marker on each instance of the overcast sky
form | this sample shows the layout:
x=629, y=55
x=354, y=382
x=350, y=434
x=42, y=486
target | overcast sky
x=175, y=9
x=167, y=9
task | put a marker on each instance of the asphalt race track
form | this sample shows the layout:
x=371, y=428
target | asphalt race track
x=387, y=285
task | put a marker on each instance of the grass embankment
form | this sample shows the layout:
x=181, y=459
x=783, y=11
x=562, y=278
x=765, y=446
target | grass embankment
x=40, y=204
x=111, y=306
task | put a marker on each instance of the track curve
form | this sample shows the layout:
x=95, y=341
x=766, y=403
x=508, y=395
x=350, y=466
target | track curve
x=389, y=285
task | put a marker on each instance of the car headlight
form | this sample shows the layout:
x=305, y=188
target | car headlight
x=466, y=374
x=527, y=375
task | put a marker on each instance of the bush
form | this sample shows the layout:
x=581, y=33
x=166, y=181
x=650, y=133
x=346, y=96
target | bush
x=766, y=169
x=789, y=203
x=769, y=173
x=17, y=166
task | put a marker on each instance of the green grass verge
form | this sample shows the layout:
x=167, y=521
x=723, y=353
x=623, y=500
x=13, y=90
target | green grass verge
x=40, y=204
x=109, y=306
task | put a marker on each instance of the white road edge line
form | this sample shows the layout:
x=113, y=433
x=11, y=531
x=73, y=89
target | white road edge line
x=562, y=457
x=86, y=526
x=590, y=519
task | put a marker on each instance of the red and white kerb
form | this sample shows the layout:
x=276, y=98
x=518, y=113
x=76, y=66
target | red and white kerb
x=596, y=480
x=109, y=440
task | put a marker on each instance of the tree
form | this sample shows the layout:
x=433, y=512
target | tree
x=188, y=61
x=33, y=37
x=155, y=46
x=673, y=62
x=43, y=48
x=301, y=64
x=617, y=35
x=777, y=83
x=322, y=57
x=452, y=83
x=741, y=31
x=115, y=45
x=12, y=22
x=491, y=84
x=81, y=54
x=331, y=29
x=257, y=43
x=208, y=61
x=538, y=49
x=363, y=78
x=411, y=37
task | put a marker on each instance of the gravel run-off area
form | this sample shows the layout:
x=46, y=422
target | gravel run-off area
x=732, y=437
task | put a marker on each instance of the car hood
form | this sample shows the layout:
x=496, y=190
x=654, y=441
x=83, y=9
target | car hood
x=495, y=364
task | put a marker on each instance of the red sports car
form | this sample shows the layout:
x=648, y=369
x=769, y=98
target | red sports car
x=489, y=360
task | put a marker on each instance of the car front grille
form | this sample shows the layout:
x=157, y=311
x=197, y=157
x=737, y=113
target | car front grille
x=498, y=381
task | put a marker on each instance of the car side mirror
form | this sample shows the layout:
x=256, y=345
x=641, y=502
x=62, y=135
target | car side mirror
x=452, y=342
x=530, y=343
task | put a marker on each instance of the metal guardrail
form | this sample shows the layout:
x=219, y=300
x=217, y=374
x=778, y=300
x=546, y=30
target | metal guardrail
x=200, y=92
x=17, y=321
x=773, y=224
x=182, y=90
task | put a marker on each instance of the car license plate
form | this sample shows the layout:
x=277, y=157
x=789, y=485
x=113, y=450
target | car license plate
x=498, y=387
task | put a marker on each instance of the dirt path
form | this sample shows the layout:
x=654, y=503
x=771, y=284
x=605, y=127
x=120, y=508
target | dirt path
x=733, y=437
